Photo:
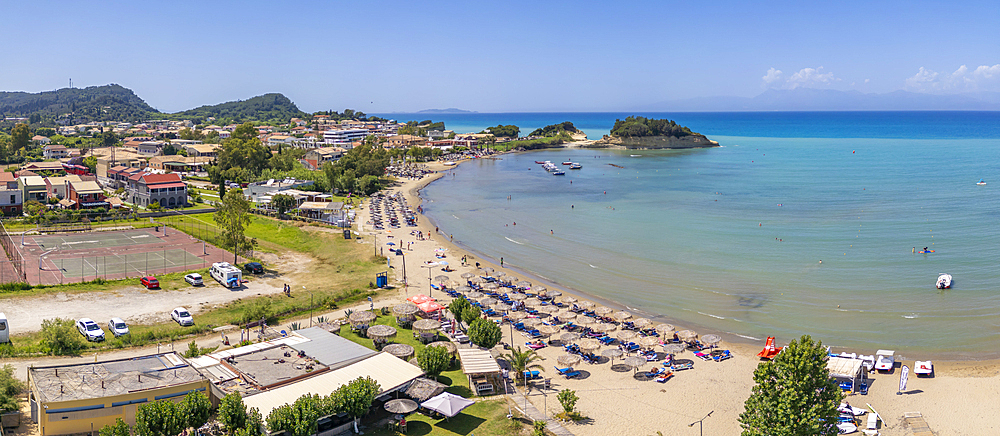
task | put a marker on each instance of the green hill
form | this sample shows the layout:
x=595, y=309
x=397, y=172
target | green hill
x=108, y=102
x=265, y=107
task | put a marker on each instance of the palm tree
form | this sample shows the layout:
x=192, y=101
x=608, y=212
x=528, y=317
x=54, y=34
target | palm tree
x=521, y=361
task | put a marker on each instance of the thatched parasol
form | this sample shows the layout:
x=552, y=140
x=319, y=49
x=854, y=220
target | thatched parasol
x=539, y=289
x=665, y=329
x=423, y=389
x=687, y=335
x=588, y=344
x=402, y=351
x=566, y=315
x=361, y=317
x=625, y=335
x=568, y=337
x=467, y=275
x=401, y=406
x=441, y=278
x=553, y=293
x=448, y=345
x=642, y=323
x=587, y=305
x=531, y=322
x=463, y=289
x=477, y=279
x=426, y=325
x=569, y=359
x=547, y=308
x=602, y=311
x=711, y=339
x=568, y=300
x=524, y=284
x=649, y=341
x=491, y=286
x=381, y=331
x=517, y=297
x=622, y=316
x=502, y=307
x=474, y=295
x=612, y=353
x=488, y=301
x=585, y=320
x=548, y=330
x=488, y=270
x=672, y=349
x=516, y=316
x=635, y=361
x=604, y=328
x=405, y=309
x=500, y=274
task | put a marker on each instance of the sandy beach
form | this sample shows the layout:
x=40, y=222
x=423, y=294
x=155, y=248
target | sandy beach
x=956, y=401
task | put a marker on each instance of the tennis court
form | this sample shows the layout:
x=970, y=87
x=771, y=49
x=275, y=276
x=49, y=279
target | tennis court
x=129, y=264
x=92, y=240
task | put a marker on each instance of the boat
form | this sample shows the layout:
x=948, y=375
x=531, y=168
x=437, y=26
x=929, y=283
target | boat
x=575, y=166
x=539, y=162
x=567, y=163
x=944, y=281
x=558, y=173
x=981, y=182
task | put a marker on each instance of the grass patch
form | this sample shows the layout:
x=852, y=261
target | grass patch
x=485, y=418
x=168, y=282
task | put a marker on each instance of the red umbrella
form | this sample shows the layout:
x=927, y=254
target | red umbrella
x=419, y=298
x=430, y=306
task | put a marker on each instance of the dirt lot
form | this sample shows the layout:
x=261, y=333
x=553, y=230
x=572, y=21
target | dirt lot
x=137, y=305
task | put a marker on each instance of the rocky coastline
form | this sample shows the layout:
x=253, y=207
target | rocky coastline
x=654, y=142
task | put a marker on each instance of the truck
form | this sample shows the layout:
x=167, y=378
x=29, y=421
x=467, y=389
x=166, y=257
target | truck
x=226, y=274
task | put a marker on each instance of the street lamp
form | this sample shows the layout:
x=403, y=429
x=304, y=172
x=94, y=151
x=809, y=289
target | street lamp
x=399, y=252
x=700, y=423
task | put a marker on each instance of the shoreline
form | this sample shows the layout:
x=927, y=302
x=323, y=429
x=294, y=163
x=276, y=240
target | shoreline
x=744, y=342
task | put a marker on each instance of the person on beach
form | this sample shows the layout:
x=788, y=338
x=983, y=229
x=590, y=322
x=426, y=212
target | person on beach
x=501, y=262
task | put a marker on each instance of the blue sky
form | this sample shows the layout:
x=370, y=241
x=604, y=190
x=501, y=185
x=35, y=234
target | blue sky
x=496, y=56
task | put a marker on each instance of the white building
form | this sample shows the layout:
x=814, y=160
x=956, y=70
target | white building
x=345, y=137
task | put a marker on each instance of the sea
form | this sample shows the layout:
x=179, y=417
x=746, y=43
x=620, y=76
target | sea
x=800, y=223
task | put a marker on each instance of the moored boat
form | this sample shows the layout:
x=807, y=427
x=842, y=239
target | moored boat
x=575, y=166
x=539, y=162
x=944, y=281
x=981, y=182
x=567, y=163
x=558, y=173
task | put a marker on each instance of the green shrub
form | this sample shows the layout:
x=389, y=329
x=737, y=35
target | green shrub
x=60, y=337
x=10, y=389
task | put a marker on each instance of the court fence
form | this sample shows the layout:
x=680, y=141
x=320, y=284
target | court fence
x=12, y=269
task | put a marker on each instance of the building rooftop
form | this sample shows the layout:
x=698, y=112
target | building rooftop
x=274, y=366
x=115, y=377
x=330, y=349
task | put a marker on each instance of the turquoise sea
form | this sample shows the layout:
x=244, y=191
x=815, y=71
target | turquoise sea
x=732, y=238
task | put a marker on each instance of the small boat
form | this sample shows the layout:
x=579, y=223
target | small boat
x=539, y=162
x=981, y=182
x=558, y=173
x=944, y=281
x=567, y=163
x=575, y=166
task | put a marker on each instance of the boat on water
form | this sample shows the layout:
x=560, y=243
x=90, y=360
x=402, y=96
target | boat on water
x=575, y=166
x=558, y=173
x=539, y=162
x=549, y=167
x=944, y=281
x=567, y=163
x=981, y=182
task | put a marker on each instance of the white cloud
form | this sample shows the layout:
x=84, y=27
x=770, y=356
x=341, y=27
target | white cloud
x=804, y=78
x=983, y=78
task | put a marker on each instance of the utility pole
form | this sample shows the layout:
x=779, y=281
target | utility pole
x=700, y=423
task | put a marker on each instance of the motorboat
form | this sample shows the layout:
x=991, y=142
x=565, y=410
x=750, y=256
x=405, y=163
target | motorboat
x=558, y=173
x=567, y=163
x=981, y=182
x=539, y=162
x=575, y=166
x=944, y=281
x=549, y=167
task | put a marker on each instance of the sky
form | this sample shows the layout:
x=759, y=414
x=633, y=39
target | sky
x=504, y=56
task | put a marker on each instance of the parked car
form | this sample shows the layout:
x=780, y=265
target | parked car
x=90, y=330
x=194, y=279
x=182, y=316
x=150, y=282
x=254, y=268
x=118, y=327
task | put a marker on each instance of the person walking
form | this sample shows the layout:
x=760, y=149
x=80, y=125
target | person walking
x=501, y=262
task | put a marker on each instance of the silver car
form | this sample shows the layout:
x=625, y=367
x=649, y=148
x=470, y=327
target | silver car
x=118, y=327
x=182, y=316
x=194, y=279
x=90, y=330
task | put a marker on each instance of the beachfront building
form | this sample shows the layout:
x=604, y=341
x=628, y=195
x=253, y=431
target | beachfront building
x=10, y=194
x=168, y=190
x=255, y=191
x=83, y=398
x=405, y=141
x=344, y=137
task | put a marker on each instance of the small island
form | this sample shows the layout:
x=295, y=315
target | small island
x=647, y=133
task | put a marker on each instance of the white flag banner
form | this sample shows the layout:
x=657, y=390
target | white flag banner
x=902, y=378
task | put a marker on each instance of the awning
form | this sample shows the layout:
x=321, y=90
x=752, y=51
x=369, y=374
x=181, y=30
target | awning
x=476, y=361
x=96, y=204
x=844, y=367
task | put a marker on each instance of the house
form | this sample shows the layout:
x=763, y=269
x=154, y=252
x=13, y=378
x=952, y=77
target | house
x=280, y=139
x=58, y=187
x=149, y=148
x=168, y=190
x=32, y=188
x=118, y=176
x=344, y=136
x=405, y=141
x=39, y=139
x=178, y=163
x=298, y=122
x=319, y=156
x=254, y=191
x=119, y=158
x=202, y=150
x=75, y=398
x=55, y=151
x=86, y=195
x=10, y=194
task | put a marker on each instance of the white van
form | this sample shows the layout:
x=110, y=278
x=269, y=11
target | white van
x=4, y=329
x=226, y=274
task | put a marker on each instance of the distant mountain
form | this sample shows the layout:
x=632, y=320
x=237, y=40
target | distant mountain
x=108, y=102
x=450, y=110
x=261, y=108
x=806, y=99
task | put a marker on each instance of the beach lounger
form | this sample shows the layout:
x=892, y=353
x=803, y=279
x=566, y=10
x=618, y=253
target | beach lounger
x=720, y=355
x=534, y=346
x=532, y=375
x=703, y=355
x=769, y=351
x=606, y=340
x=571, y=374
x=681, y=366
x=663, y=377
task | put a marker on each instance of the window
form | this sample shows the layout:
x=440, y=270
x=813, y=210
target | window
x=12, y=199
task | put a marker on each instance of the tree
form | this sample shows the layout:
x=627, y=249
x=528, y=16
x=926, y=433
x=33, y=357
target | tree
x=357, y=397
x=568, y=399
x=91, y=163
x=159, y=418
x=119, y=428
x=508, y=131
x=458, y=307
x=10, y=389
x=109, y=139
x=794, y=394
x=471, y=314
x=169, y=150
x=232, y=412
x=20, y=136
x=254, y=425
x=233, y=217
x=59, y=336
x=283, y=202
x=196, y=409
x=155, y=206
x=298, y=418
x=521, y=361
x=485, y=333
x=433, y=360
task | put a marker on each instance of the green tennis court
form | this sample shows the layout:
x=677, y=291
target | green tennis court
x=84, y=241
x=130, y=264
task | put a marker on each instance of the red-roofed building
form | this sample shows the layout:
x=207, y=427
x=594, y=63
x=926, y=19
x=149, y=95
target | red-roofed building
x=168, y=190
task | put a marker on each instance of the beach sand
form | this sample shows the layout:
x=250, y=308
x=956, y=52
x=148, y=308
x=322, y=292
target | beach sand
x=958, y=400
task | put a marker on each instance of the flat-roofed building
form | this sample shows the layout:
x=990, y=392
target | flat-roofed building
x=344, y=137
x=10, y=194
x=33, y=188
x=68, y=399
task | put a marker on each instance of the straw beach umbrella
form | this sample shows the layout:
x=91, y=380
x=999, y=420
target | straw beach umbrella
x=500, y=274
x=634, y=362
x=381, y=331
x=672, y=349
x=441, y=278
x=603, y=311
x=488, y=301
x=516, y=316
x=491, y=286
x=447, y=345
x=361, y=317
x=402, y=351
x=711, y=340
x=569, y=359
x=548, y=330
x=539, y=289
x=531, y=322
x=622, y=316
x=502, y=307
x=405, y=309
x=517, y=297
x=687, y=335
x=566, y=315
x=625, y=335
x=475, y=295
x=642, y=323
x=649, y=341
x=426, y=325
x=604, y=327
x=524, y=284
x=588, y=344
x=553, y=293
x=467, y=275
x=488, y=270
x=665, y=329
x=533, y=302
x=547, y=308
x=463, y=289
x=585, y=320
x=568, y=337
x=569, y=300
x=401, y=406
x=586, y=305
x=612, y=353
